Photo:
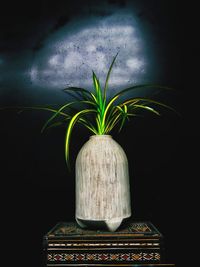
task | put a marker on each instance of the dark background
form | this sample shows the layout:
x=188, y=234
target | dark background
x=36, y=188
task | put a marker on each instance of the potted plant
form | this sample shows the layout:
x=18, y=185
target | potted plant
x=102, y=176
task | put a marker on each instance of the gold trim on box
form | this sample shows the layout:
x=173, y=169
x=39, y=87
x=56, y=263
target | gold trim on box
x=100, y=244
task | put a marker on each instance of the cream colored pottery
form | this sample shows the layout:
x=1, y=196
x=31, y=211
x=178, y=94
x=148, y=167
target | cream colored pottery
x=102, y=184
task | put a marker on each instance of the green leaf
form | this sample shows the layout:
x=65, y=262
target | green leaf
x=119, y=108
x=98, y=93
x=55, y=124
x=108, y=76
x=78, y=96
x=141, y=87
x=88, y=125
x=62, y=108
x=107, y=108
x=96, y=83
x=77, y=89
x=56, y=114
x=21, y=109
x=112, y=123
x=148, y=100
x=69, y=130
x=124, y=116
x=147, y=108
x=86, y=93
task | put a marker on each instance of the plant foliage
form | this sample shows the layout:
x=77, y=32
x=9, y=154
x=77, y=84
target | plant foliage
x=98, y=113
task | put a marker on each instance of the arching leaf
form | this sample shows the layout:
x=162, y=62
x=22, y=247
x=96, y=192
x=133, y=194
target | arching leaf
x=70, y=127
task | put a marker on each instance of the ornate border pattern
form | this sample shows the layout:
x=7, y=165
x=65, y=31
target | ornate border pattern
x=139, y=257
x=102, y=244
x=70, y=228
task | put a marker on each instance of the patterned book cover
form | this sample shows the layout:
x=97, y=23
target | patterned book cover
x=134, y=242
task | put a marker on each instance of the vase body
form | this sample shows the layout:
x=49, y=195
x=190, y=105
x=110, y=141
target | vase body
x=102, y=184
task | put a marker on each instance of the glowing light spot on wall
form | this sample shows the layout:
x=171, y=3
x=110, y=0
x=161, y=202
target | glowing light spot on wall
x=70, y=55
x=135, y=64
x=55, y=60
x=71, y=61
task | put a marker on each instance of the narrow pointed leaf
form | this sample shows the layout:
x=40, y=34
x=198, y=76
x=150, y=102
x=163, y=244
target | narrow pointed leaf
x=70, y=127
x=88, y=125
x=135, y=87
x=98, y=91
x=77, y=89
x=147, y=108
x=148, y=100
x=108, y=76
x=56, y=114
x=62, y=108
x=55, y=124
x=86, y=93
x=21, y=109
x=108, y=106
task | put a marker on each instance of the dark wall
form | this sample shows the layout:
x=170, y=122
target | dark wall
x=37, y=189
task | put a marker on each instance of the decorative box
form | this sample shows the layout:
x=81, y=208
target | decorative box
x=67, y=244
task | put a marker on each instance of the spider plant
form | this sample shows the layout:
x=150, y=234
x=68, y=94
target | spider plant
x=99, y=113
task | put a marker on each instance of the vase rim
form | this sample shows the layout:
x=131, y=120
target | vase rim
x=101, y=136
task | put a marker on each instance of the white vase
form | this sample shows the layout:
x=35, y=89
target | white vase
x=102, y=184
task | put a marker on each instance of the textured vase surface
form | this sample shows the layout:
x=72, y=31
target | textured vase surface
x=102, y=184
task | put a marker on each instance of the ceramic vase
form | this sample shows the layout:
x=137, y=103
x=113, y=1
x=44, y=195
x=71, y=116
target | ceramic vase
x=102, y=184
